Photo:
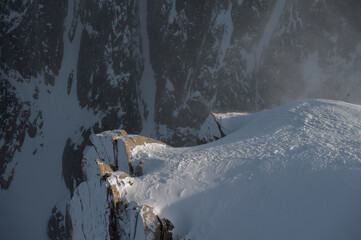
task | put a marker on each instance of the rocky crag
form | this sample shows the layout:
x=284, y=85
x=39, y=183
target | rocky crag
x=248, y=178
x=72, y=68
x=100, y=207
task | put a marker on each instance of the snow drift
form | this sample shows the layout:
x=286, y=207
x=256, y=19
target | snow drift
x=293, y=172
x=72, y=68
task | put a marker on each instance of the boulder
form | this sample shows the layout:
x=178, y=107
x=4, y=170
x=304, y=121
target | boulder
x=154, y=227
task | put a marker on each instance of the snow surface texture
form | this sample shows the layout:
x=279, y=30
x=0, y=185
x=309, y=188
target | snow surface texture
x=100, y=208
x=72, y=68
x=293, y=172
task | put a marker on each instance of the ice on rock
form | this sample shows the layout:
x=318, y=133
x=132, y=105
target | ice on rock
x=102, y=200
x=292, y=172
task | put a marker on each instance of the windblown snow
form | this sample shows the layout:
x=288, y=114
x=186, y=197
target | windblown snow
x=293, y=172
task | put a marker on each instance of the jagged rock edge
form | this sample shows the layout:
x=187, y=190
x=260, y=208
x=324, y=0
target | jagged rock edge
x=120, y=208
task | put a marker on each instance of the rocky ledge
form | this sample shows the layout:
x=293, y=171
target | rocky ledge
x=296, y=166
x=100, y=206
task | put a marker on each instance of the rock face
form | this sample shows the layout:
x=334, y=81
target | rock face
x=121, y=144
x=104, y=169
x=73, y=68
x=210, y=130
x=219, y=125
x=103, y=201
x=296, y=166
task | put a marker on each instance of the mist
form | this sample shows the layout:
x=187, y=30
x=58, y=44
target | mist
x=317, y=57
x=73, y=68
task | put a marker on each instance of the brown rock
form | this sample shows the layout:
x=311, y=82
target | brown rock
x=154, y=227
x=150, y=222
x=122, y=133
x=114, y=185
x=121, y=175
x=115, y=195
x=104, y=169
x=130, y=143
x=136, y=140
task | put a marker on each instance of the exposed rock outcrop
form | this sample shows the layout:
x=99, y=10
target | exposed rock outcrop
x=121, y=133
x=210, y=130
x=121, y=145
x=154, y=227
x=99, y=58
x=104, y=169
x=104, y=203
x=219, y=125
x=130, y=142
x=135, y=140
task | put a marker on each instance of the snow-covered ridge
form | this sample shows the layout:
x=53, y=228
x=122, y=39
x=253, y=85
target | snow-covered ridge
x=292, y=172
x=101, y=64
x=100, y=208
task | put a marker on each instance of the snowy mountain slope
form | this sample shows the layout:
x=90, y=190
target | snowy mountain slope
x=249, y=55
x=292, y=172
x=49, y=111
x=72, y=68
x=100, y=208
